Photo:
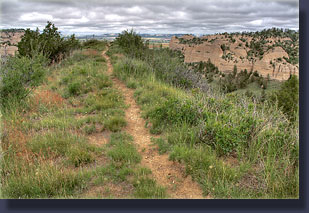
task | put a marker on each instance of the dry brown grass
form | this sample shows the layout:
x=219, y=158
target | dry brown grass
x=48, y=98
x=16, y=139
x=90, y=52
x=164, y=45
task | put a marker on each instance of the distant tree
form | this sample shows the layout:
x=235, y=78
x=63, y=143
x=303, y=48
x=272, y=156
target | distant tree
x=234, y=70
x=49, y=43
x=223, y=47
x=131, y=43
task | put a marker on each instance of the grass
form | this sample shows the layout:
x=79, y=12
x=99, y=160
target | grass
x=43, y=181
x=123, y=169
x=233, y=147
x=146, y=187
x=115, y=123
x=254, y=89
x=163, y=146
x=47, y=142
x=123, y=151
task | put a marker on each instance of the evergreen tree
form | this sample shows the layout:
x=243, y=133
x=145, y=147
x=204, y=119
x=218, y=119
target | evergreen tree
x=50, y=43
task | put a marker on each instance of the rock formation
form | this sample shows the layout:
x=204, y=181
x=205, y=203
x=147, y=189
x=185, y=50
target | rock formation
x=226, y=50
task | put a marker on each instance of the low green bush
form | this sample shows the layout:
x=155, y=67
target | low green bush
x=288, y=97
x=175, y=111
x=19, y=76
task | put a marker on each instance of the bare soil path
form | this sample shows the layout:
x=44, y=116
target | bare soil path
x=167, y=173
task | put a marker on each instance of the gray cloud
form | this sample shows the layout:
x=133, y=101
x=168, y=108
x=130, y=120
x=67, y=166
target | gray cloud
x=150, y=16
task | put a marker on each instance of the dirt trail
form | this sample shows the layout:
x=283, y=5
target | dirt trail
x=167, y=173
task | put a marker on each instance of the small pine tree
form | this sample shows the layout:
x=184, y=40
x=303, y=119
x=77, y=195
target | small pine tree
x=234, y=71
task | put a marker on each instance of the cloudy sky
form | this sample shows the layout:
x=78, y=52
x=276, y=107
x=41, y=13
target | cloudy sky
x=150, y=16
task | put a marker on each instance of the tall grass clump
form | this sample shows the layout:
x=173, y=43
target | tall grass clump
x=42, y=181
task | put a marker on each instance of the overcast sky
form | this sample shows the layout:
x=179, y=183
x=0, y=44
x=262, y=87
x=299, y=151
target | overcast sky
x=150, y=16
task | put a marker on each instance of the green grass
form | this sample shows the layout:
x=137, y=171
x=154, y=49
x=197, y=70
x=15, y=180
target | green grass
x=89, y=129
x=147, y=188
x=83, y=78
x=163, y=146
x=115, y=123
x=74, y=148
x=256, y=90
x=46, y=141
x=42, y=145
x=43, y=181
x=123, y=150
x=201, y=130
x=124, y=163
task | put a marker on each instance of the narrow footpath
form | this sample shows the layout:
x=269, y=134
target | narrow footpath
x=167, y=173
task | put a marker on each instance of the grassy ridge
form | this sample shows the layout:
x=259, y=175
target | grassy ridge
x=66, y=141
x=233, y=147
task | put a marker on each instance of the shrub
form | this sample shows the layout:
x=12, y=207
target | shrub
x=131, y=43
x=49, y=43
x=18, y=77
x=175, y=111
x=223, y=47
x=115, y=123
x=287, y=97
x=74, y=88
x=79, y=156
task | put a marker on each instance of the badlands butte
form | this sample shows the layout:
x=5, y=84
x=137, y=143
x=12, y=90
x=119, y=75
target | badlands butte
x=272, y=52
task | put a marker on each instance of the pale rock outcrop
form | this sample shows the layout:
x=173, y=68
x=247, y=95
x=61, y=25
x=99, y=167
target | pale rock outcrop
x=211, y=49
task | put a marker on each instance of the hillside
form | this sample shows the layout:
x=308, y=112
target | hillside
x=9, y=40
x=271, y=52
x=121, y=120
